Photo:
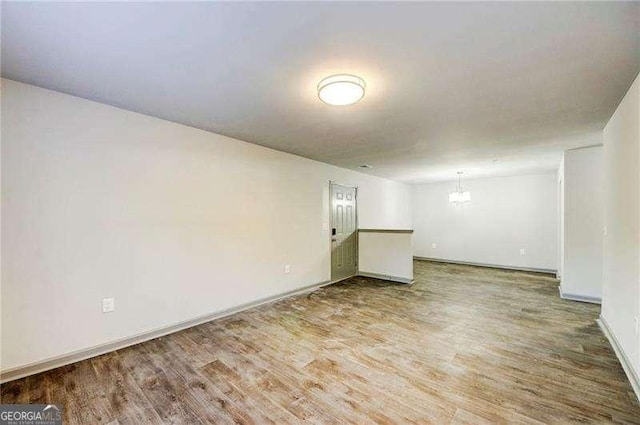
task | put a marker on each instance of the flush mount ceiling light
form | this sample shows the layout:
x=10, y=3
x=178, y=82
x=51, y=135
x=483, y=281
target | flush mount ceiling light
x=459, y=197
x=341, y=89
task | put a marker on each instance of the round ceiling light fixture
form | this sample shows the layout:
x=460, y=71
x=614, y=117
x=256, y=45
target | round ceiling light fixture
x=341, y=89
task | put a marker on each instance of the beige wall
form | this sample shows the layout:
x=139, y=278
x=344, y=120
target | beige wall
x=172, y=222
x=621, y=280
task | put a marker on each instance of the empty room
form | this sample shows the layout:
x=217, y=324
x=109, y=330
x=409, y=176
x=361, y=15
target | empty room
x=320, y=212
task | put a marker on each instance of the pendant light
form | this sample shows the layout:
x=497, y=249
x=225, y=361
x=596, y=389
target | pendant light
x=459, y=197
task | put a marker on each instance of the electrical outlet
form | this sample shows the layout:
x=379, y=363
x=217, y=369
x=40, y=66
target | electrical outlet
x=434, y=246
x=605, y=230
x=636, y=325
x=287, y=268
x=108, y=305
x=522, y=251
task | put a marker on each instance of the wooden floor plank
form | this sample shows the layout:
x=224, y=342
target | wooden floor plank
x=463, y=345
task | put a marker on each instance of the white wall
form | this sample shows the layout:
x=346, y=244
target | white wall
x=387, y=254
x=505, y=215
x=583, y=223
x=172, y=222
x=560, y=219
x=621, y=282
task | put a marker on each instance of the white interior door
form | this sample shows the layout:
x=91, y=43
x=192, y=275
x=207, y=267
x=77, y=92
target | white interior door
x=344, y=244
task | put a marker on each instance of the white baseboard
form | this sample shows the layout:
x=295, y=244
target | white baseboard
x=493, y=266
x=624, y=361
x=342, y=279
x=576, y=297
x=83, y=354
x=386, y=277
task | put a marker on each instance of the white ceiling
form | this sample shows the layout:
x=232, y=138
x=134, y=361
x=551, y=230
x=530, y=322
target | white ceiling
x=450, y=85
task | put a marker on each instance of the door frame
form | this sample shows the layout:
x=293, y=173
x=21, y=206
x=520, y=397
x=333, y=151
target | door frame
x=357, y=244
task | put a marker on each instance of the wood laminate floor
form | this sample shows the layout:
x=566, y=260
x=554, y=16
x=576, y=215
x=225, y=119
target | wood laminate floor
x=463, y=345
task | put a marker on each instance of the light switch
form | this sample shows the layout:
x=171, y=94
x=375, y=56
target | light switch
x=108, y=305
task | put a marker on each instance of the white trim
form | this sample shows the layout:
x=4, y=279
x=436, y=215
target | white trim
x=343, y=184
x=86, y=353
x=595, y=145
x=386, y=277
x=577, y=297
x=493, y=266
x=624, y=361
